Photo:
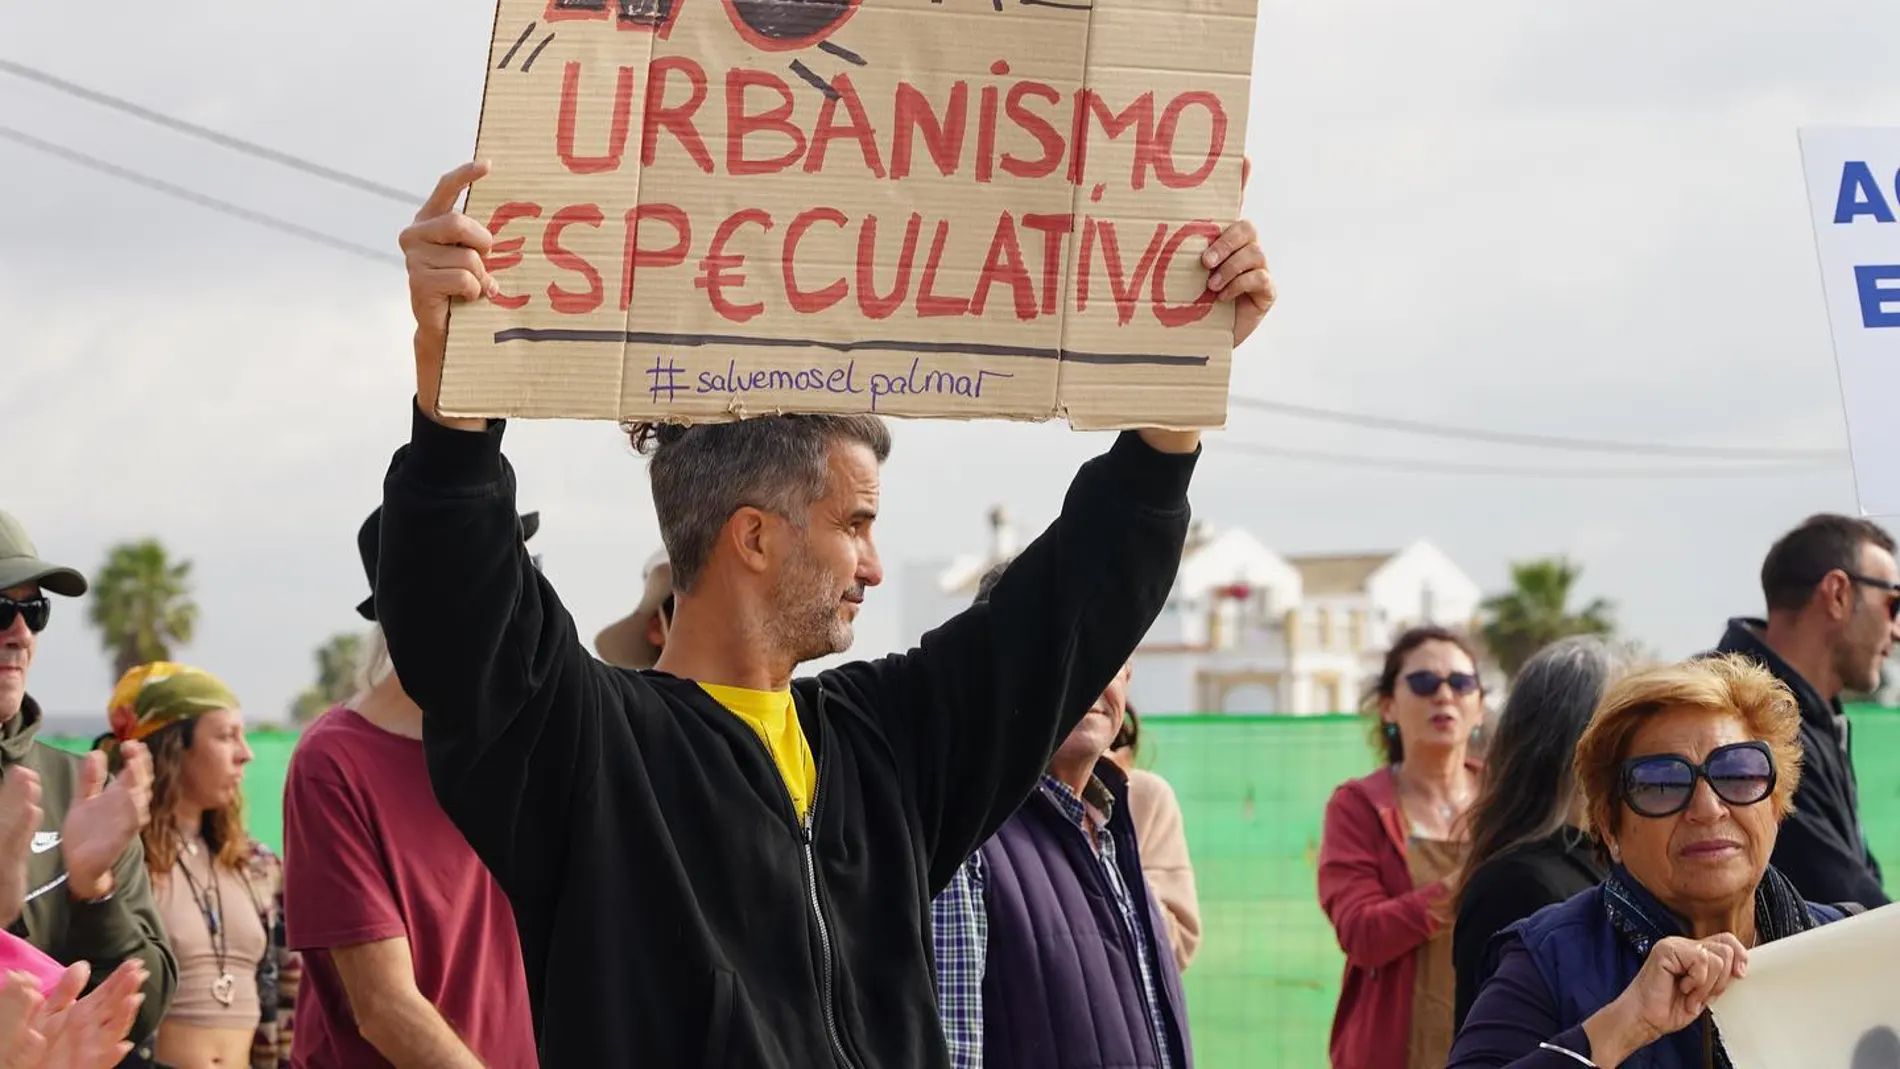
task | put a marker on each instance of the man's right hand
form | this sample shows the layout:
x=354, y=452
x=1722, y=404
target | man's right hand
x=104, y=820
x=20, y=816
x=443, y=249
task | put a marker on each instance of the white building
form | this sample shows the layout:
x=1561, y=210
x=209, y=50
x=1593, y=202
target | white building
x=1247, y=630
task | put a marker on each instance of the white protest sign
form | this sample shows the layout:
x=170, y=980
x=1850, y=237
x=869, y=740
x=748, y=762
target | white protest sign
x=1854, y=194
x=1828, y=998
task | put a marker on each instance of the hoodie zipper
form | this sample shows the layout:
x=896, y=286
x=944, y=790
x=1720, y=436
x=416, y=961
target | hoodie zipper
x=824, y=930
x=808, y=860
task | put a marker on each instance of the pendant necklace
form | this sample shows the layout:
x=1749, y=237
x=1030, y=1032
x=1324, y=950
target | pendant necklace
x=211, y=905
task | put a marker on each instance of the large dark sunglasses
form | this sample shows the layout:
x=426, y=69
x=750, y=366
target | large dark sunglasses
x=1426, y=684
x=36, y=610
x=1892, y=589
x=1661, y=785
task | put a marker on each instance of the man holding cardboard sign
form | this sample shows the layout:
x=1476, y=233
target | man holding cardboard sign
x=711, y=863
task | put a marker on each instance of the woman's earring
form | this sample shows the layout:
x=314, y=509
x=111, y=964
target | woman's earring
x=1391, y=730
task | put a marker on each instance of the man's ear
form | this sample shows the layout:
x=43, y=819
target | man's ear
x=747, y=534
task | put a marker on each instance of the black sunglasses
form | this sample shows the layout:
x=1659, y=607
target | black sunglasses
x=36, y=610
x=1426, y=684
x=1661, y=785
x=1892, y=589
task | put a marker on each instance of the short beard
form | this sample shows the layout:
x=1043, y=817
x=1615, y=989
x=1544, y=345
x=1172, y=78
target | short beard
x=806, y=623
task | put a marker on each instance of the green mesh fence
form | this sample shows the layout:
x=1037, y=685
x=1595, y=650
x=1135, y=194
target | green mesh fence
x=1252, y=790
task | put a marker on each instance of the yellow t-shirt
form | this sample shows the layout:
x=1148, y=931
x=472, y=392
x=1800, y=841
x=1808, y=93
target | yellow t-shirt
x=771, y=714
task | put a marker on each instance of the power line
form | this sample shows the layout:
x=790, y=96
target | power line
x=202, y=200
x=236, y=144
x=1218, y=445
x=1540, y=441
x=1429, y=467
x=1284, y=408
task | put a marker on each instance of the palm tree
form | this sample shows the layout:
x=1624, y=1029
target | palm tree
x=141, y=604
x=1534, y=613
x=336, y=676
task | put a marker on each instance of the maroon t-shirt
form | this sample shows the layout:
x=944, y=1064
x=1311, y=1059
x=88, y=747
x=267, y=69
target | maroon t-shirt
x=369, y=855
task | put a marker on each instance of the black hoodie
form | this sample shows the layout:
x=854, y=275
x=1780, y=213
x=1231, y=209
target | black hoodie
x=673, y=910
x=1820, y=846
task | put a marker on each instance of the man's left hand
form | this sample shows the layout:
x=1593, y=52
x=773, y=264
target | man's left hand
x=1237, y=271
x=105, y=820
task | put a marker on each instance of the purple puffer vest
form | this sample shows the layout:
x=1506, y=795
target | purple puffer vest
x=1061, y=987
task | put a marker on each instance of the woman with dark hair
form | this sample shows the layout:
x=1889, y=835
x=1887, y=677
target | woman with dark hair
x=1528, y=847
x=217, y=889
x=1390, y=846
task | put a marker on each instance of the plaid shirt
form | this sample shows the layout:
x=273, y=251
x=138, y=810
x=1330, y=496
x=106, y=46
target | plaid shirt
x=960, y=931
x=1096, y=794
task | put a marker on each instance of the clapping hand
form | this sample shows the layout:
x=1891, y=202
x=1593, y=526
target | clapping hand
x=59, y=1030
x=20, y=816
x=105, y=820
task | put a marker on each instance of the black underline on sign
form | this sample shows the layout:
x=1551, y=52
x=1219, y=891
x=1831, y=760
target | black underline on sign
x=842, y=53
x=818, y=83
x=641, y=337
x=1056, y=3
x=516, y=47
x=528, y=64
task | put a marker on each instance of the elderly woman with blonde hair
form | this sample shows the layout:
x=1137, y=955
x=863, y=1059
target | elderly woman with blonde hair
x=1687, y=772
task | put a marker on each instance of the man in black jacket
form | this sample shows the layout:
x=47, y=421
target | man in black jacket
x=712, y=864
x=1833, y=596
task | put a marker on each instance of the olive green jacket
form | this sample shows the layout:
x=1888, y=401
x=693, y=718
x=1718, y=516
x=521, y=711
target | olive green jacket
x=123, y=925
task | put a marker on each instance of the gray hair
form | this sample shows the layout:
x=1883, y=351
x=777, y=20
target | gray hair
x=989, y=581
x=374, y=665
x=703, y=474
x=1529, y=789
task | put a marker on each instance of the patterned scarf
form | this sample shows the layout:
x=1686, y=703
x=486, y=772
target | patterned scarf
x=157, y=695
x=1642, y=921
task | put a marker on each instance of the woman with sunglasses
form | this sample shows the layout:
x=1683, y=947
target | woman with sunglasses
x=1391, y=844
x=1687, y=772
x=1528, y=846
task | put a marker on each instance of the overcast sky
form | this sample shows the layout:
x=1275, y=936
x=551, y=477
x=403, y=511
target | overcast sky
x=1566, y=218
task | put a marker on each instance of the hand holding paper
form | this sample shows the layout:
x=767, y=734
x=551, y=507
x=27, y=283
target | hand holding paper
x=443, y=250
x=1677, y=982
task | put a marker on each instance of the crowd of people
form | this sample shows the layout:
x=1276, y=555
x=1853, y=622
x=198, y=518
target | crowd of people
x=1584, y=892
x=510, y=850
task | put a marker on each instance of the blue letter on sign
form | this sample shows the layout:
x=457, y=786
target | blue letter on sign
x=1860, y=195
x=1874, y=297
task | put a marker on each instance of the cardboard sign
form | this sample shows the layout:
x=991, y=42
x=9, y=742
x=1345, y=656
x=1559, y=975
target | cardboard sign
x=708, y=209
x=1854, y=193
x=1824, y=999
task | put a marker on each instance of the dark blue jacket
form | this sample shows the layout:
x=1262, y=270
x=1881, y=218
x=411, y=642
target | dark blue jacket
x=1061, y=987
x=1584, y=964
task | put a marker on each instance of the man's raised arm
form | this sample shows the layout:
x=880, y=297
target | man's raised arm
x=478, y=637
x=978, y=708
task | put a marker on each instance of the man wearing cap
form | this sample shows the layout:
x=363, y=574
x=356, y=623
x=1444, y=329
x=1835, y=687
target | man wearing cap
x=88, y=897
x=411, y=957
x=635, y=640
